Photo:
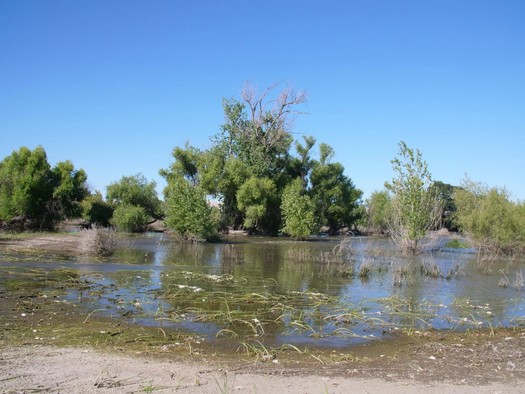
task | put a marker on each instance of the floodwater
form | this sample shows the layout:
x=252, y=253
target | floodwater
x=324, y=292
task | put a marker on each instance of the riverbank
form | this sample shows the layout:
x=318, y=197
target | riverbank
x=36, y=368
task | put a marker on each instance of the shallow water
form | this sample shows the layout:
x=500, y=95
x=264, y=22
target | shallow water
x=315, y=293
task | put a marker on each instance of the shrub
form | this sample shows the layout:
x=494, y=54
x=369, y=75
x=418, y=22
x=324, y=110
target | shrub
x=98, y=241
x=298, y=211
x=416, y=208
x=494, y=222
x=129, y=218
x=188, y=213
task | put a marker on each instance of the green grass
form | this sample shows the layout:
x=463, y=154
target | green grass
x=457, y=244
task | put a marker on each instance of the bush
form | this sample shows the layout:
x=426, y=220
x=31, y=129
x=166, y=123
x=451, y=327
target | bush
x=416, y=208
x=98, y=241
x=494, y=222
x=131, y=219
x=298, y=211
x=188, y=213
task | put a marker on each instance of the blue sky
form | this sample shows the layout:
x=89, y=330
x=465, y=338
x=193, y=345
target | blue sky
x=114, y=86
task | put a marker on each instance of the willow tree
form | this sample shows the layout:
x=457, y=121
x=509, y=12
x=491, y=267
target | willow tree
x=416, y=209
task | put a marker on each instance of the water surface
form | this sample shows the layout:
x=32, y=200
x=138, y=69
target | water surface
x=323, y=292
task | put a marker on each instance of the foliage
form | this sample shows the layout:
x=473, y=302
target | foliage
x=69, y=189
x=253, y=199
x=188, y=212
x=334, y=195
x=415, y=208
x=379, y=212
x=97, y=211
x=445, y=193
x=491, y=218
x=251, y=162
x=135, y=191
x=257, y=128
x=31, y=189
x=297, y=210
x=129, y=218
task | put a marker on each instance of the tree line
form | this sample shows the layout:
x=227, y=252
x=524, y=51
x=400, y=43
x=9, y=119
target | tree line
x=261, y=180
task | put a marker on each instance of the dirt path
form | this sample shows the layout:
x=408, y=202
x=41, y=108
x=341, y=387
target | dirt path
x=71, y=370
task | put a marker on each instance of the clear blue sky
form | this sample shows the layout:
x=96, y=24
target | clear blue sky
x=114, y=86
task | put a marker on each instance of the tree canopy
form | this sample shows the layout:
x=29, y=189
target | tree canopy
x=135, y=203
x=252, y=161
x=37, y=194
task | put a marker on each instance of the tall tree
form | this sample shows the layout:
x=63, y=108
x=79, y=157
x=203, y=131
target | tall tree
x=257, y=129
x=334, y=194
x=69, y=190
x=251, y=163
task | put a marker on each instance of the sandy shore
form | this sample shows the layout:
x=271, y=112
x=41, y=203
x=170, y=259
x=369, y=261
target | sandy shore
x=32, y=369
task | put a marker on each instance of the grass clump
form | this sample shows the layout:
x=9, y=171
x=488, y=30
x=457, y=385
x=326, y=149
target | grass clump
x=457, y=243
x=98, y=241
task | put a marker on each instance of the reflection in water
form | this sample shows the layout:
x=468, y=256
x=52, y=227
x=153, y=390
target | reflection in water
x=313, y=292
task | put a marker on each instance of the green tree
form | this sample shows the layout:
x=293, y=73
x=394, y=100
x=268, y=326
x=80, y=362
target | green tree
x=445, y=193
x=97, y=211
x=40, y=195
x=135, y=191
x=254, y=198
x=129, y=218
x=255, y=146
x=379, y=212
x=257, y=129
x=335, y=196
x=69, y=190
x=301, y=166
x=26, y=188
x=298, y=211
x=415, y=207
x=188, y=213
